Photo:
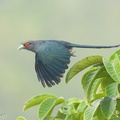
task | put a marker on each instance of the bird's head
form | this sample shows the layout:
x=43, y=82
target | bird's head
x=30, y=45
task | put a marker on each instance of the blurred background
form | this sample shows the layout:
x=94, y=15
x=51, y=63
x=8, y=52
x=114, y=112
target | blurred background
x=88, y=22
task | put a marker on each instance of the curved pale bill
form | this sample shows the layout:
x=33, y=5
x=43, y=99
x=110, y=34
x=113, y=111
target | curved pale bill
x=21, y=47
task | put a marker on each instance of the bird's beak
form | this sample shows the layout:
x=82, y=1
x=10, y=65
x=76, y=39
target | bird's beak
x=21, y=47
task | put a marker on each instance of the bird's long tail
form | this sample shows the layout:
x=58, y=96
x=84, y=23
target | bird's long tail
x=92, y=46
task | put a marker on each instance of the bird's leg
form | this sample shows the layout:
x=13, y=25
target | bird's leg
x=72, y=53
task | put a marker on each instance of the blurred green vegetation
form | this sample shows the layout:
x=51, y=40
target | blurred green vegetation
x=79, y=21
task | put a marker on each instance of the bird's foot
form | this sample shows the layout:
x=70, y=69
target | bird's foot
x=72, y=54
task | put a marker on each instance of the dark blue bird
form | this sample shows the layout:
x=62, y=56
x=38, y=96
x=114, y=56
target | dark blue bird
x=52, y=58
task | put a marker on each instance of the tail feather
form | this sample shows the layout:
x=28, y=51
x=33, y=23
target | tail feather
x=92, y=46
x=70, y=45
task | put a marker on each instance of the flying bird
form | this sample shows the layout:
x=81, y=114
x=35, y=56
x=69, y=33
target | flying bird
x=52, y=58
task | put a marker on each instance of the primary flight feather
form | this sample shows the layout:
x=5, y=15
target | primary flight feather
x=52, y=58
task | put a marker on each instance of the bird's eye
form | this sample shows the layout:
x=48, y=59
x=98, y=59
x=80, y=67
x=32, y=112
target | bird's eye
x=27, y=44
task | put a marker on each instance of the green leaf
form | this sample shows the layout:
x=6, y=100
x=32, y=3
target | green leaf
x=37, y=100
x=91, y=83
x=112, y=89
x=118, y=105
x=87, y=85
x=81, y=107
x=20, y=118
x=86, y=79
x=108, y=105
x=90, y=111
x=47, y=106
x=113, y=68
x=95, y=118
x=49, y=118
x=93, y=88
x=81, y=65
x=68, y=109
x=73, y=101
x=119, y=88
x=58, y=119
x=114, y=55
x=72, y=110
x=65, y=108
x=115, y=118
x=105, y=82
x=70, y=106
x=72, y=117
x=98, y=96
x=68, y=117
x=60, y=115
x=99, y=114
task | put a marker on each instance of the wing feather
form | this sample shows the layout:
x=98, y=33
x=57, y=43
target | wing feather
x=42, y=74
x=39, y=73
x=51, y=61
x=47, y=77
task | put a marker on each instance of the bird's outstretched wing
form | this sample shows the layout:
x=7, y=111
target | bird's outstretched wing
x=51, y=61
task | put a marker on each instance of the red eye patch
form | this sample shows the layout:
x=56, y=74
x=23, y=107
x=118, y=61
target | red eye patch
x=27, y=44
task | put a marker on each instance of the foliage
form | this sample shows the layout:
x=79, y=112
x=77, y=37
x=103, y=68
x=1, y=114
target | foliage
x=20, y=118
x=101, y=84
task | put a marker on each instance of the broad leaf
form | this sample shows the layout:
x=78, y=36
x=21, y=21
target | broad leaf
x=86, y=79
x=91, y=83
x=95, y=118
x=72, y=117
x=112, y=89
x=73, y=101
x=105, y=82
x=81, y=65
x=114, y=55
x=68, y=117
x=118, y=105
x=49, y=118
x=99, y=95
x=72, y=110
x=113, y=68
x=37, y=100
x=20, y=118
x=65, y=108
x=93, y=88
x=90, y=111
x=108, y=106
x=68, y=109
x=47, y=106
x=60, y=115
x=81, y=107
x=99, y=114
x=115, y=118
